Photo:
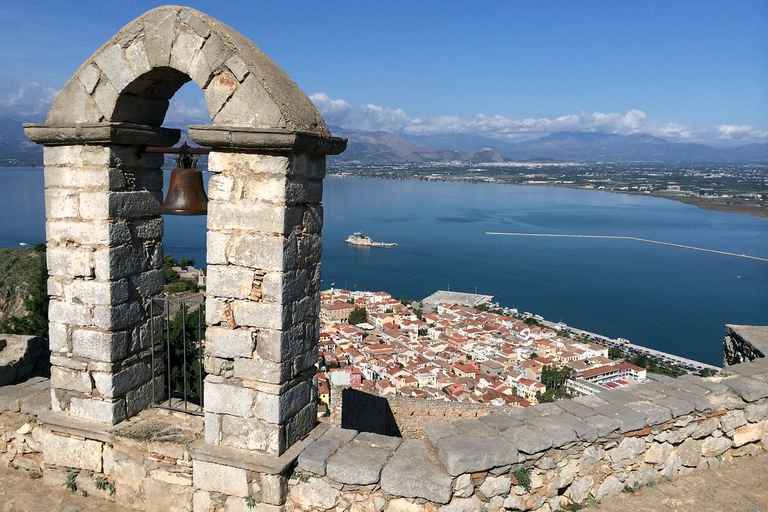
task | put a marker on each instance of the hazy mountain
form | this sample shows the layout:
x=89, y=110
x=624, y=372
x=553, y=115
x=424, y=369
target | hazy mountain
x=16, y=150
x=386, y=148
x=382, y=148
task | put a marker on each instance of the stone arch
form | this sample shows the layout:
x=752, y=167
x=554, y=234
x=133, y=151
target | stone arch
x=131, y=78
x=104, y=233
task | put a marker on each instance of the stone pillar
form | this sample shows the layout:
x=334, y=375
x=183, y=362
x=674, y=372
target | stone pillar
x=104, y=254
x=263, y=285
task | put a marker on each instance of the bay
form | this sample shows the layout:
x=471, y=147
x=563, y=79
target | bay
x=667, y=298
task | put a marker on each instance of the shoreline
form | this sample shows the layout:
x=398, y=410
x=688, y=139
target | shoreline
x=704, y=204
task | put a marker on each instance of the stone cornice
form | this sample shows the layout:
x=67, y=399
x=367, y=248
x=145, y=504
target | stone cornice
x=266, y=140
x=100, y=134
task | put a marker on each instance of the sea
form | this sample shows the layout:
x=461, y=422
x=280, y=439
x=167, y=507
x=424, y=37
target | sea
x=668, y=298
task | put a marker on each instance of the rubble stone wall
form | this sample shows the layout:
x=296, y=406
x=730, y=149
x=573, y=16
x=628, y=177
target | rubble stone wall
x=540, y=458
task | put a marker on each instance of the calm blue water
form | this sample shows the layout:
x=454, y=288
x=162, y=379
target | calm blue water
x=667, y=298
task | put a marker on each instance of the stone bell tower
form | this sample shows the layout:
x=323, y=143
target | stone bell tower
x=268, y=147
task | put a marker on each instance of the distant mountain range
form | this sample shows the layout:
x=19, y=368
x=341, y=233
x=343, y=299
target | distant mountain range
x=385, y=148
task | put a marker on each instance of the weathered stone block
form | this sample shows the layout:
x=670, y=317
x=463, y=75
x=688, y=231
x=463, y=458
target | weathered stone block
x=184, y=49
x=117, y=384
x=250, y=105
x=229, y=281
x=261, y=370
x=267, y=252
x=316, y=493
x=58, y=337
x=467, y=454
x=224, y=398
x=99, y=345
x=279, y=408
x=147, y=229
x=122, y=316
x=159, y=29
x=273, y=489
x=112, y=63
x=315, y=456
x=136, y=56
x=103, y=411
x=67, y=378
x=72, y=453
x=98, y=292
x=749, y=433
x=219, y=478
x=261, y=315
x=61, y=203
x=414, y=472
x=149, y=283
x=252, y=434
x=113, y=263
x=69, y=261
x=69, y=313
x=229, y=343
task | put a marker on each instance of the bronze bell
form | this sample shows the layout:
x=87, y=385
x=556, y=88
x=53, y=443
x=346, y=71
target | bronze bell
x=186, y=194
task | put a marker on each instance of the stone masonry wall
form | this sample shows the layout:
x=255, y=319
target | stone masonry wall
x=262, y=299
x=104, y=257
x=541, y=458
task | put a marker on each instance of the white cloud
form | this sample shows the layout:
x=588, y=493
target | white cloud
x=373, y=117
x=184, y=113
x=26, y=99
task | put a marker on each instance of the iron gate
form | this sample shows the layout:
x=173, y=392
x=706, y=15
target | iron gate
x=177, y=353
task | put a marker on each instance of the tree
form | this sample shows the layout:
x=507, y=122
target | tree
x=186, y=262
x=187, y=329
x=358, y=316
x=35, y=323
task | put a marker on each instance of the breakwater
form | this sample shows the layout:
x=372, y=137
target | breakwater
x=609, y=237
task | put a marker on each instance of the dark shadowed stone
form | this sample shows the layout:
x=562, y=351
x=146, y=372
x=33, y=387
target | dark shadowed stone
x=414, y=472
x=676, y=405
x=464, y=453
x=603, y=424
x=528, y=439
x=357, y=463
x=315, y=456
x=749, y=390
x=584, y=431
x=629, y=419
x=654, y=414
x=560, y=433
x=499, y=421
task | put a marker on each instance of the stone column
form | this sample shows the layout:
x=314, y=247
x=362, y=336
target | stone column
x=263, y=284
x=104, y=254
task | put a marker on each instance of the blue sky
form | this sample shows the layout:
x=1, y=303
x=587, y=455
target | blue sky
x=682, y=70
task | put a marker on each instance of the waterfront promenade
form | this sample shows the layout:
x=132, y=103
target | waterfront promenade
x=636, y=349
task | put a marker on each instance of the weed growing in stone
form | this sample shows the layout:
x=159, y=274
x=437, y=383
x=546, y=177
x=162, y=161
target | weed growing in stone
x=101, y=483
x=250, y=501
x=634, y=488
x=85, y=493
x=69, y=483
x=582, y=504
x=523, y=476
x=298, y=476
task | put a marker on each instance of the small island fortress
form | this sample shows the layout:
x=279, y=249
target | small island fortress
x=359, y=239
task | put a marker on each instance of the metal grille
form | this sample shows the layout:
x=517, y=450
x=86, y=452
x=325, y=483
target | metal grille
x=177, y=353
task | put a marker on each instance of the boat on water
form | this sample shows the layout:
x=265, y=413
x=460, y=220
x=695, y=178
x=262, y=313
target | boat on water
x=366, y=241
